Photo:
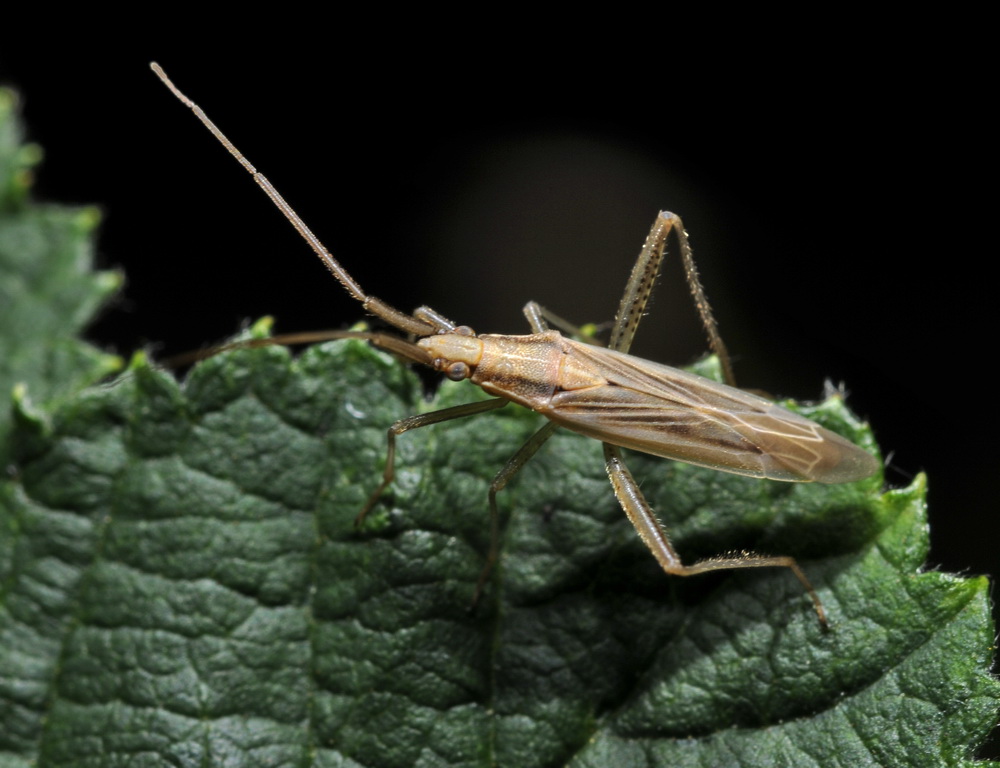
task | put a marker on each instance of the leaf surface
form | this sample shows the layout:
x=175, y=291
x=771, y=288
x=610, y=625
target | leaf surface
x=48, y=291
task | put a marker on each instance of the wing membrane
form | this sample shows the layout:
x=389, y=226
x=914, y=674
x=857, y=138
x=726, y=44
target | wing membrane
x=667, y=412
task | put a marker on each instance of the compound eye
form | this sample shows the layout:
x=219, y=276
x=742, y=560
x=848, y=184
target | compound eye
x=457, y=371
x=464, y=330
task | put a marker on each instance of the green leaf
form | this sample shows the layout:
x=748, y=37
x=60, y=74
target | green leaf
x=185, y=581
x=48, y=292
x=182, y=584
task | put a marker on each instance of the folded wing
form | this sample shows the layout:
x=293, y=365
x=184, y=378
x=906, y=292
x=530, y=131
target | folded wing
x=667, y=412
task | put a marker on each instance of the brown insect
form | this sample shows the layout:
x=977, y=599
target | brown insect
x=604, y=393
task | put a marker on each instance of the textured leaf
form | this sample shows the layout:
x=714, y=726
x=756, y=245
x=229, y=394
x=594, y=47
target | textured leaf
x=186, y=582
x=47, y=289
x=182, y=584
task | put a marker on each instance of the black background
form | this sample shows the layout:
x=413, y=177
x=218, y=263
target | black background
x=830, y=194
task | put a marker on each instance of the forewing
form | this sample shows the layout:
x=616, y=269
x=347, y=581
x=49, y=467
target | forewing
x=667, y=412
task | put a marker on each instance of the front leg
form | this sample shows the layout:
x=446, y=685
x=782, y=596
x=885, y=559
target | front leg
x=540, y=318
x=511, y=468
x=415, y=422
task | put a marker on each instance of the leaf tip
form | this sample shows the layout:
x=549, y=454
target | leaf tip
x=262, y=328
x=110, y=281
x=8, y=101
x=29, y=417
x=87, y=219
x=139, y=361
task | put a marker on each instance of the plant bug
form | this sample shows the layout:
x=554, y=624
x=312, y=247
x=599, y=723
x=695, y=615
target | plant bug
x=603, y=393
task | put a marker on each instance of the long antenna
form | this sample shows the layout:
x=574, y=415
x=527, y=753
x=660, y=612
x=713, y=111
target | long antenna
x=371, y=304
